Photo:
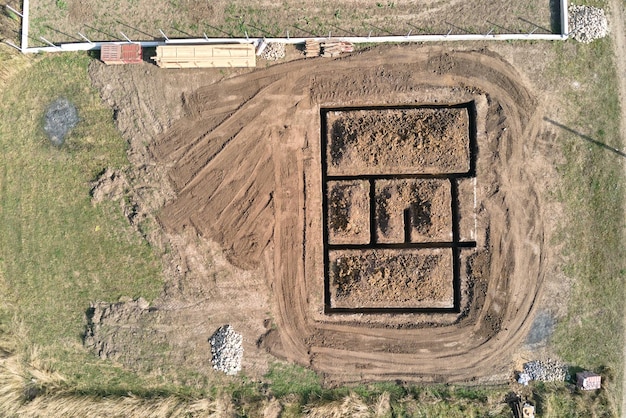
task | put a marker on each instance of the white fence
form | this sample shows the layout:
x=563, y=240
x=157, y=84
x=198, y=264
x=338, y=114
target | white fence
x=88, y=46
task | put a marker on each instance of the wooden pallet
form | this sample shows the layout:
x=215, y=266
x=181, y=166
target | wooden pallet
x=120, y=53
x=206, y=56
x=312, y=48
x=334, y=48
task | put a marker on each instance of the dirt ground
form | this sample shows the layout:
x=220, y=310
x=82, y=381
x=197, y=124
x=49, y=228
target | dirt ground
x=348, y=212
x=232, y=169
x=398, y=141
x=391, y=278
x=427, y=203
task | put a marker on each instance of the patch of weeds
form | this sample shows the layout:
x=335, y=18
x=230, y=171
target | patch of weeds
x=285, y=379
x=11, y=14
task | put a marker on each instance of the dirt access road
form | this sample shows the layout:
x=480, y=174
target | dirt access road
x=243, y=158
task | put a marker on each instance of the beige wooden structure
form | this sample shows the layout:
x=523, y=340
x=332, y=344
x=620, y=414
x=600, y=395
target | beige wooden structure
x=206, y=56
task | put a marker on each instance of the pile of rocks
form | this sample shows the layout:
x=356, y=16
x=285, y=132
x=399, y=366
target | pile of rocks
x=227, y=350
x=545, y=371
x=587, y=23
x=273, y=51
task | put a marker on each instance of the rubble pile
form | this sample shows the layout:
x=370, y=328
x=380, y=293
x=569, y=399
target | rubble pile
x=273, y=51
x=544, y=371
x=227, y=350
x=587, y=23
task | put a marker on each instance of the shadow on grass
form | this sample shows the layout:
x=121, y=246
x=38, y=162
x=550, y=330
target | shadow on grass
x=107, y=35
x=150, y=36
x=535, y=25
x=586, y=137
x=73, y=38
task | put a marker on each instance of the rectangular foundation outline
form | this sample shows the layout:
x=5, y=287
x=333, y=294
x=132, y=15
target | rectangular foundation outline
x=455, y=244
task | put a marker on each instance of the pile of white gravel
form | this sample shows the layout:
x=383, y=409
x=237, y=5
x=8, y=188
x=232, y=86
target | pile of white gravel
x=227, y=350
x=273, y=51
x=587, y=23
x=544, y=371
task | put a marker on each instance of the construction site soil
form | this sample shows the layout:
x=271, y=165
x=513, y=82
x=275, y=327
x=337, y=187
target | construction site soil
x=422, y=140
x=232, y=170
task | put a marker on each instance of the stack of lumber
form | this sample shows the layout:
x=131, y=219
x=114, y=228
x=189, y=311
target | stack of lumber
x=312, y=48
x=205, y=56
x=334, y=47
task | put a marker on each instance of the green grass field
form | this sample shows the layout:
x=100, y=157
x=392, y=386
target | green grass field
x=592, y=188
x=57, y=251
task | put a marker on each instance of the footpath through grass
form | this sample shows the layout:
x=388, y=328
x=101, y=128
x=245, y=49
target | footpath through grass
x=57, y=251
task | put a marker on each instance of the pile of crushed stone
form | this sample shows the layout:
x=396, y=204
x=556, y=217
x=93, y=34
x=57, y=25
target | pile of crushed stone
x=273, y=51
x=587, y=23
x=544, y=371
x=227, y=350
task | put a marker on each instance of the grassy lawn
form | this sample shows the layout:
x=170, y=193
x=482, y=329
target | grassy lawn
x=58, y=252
x=60, y=20
x=592, y=189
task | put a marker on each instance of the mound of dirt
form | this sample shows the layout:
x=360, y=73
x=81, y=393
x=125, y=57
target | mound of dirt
x=106, y=344
x=110, y=186
x=425, y=204
x=391, y=278
x=348, y=212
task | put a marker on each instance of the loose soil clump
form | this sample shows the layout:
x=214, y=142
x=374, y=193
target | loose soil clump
x=425, y=204
x=348, y=212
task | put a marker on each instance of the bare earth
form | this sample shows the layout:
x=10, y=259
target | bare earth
x=388, y=278
x=398, y=141
x=243, y=225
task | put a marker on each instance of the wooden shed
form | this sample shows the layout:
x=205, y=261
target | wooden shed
x=120, y=53
x=588, y=380
x=205, y=56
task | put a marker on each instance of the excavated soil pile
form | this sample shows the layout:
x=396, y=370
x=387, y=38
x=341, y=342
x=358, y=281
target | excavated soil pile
x=424, y=205
x=348, y=212
x=425, y=140
x=246, y=162
x=386, y=278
